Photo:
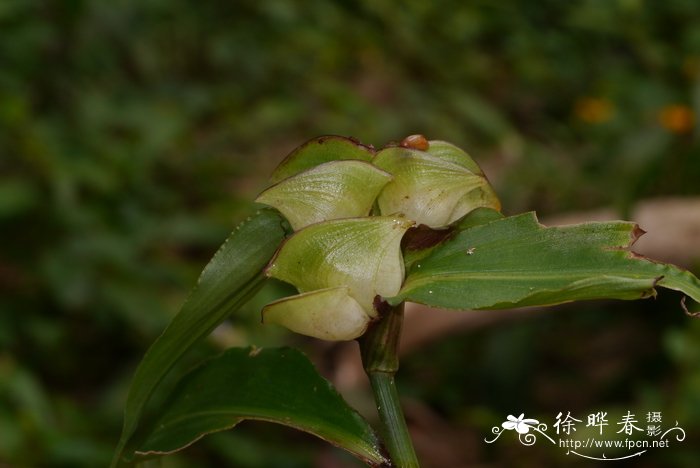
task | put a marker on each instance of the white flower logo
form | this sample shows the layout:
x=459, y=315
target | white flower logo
x=522, y=426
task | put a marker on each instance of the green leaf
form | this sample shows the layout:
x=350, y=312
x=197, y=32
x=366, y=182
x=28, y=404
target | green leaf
x=516, y=261
x=318, y=151
x=278, y=385
x=333, y=190
x=233, y=275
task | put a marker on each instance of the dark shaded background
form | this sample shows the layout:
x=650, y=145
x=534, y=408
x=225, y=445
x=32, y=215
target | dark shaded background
x=134, y=134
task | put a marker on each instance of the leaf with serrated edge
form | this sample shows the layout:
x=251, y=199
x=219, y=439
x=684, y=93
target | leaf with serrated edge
x=328, y=314
x=336, y=189
x=425, y=188
x=278, y=385
x=318, y=151
x=361, y=253
x=230, y=278
x=516, y=261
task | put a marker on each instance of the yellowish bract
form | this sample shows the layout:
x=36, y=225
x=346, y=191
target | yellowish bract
x=351, y=260
x=434, y=189
x=333, y=190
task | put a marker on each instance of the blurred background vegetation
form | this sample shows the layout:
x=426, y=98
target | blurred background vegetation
x=134, y=134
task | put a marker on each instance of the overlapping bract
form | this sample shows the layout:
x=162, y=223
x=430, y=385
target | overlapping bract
x=332, y=190
x=339, y=266
x=341, y=258
x=430, y=189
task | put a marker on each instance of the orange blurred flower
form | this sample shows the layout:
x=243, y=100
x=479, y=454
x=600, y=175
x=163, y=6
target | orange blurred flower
x=594, y=110
x=677, y=118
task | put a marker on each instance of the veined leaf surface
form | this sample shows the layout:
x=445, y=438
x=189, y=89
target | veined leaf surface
x=515, y=261
x=278, y=385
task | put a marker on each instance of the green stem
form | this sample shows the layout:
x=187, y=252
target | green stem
x=379, y=347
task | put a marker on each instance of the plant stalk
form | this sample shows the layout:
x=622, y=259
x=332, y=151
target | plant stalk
x=379, y=348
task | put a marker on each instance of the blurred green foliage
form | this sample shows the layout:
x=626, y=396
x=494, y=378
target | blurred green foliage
x=134, y=133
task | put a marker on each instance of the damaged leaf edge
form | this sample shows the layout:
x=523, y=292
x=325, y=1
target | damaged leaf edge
x=635, y=233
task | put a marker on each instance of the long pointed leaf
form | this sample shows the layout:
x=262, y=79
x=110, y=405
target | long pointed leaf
x=232, y=276
x=278, y=385
x=516, y=261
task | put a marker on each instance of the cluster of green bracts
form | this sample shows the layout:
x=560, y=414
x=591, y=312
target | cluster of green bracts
x=350, y=207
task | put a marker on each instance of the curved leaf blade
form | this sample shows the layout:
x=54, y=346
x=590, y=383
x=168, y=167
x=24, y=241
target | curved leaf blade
x=516, y=261
x=278, y=385
x=229, y=280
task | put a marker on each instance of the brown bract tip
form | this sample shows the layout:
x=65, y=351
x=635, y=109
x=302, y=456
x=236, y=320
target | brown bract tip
x=326, y=138
x=636, y=233
x=357, y=141
x=418, y=142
